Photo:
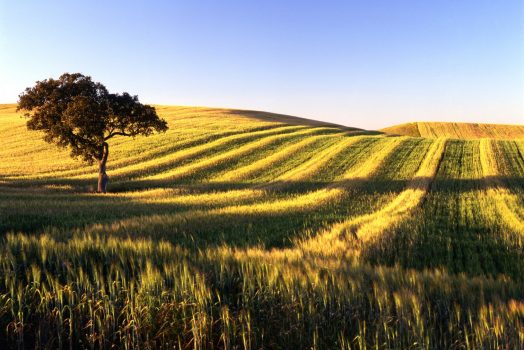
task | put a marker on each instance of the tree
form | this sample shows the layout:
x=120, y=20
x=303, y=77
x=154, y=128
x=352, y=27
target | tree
x=75, y=112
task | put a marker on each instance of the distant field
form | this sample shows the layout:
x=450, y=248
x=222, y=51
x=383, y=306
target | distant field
x=238, y=226
x=457, y=130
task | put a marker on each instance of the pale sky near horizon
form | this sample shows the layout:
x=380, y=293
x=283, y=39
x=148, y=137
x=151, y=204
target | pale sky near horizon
x=367, y=64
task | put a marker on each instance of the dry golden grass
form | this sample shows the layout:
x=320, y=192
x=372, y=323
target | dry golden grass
x=506, y=203
x=457, y=130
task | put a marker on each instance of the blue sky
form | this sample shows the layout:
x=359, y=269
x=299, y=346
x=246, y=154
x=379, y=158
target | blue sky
x=362, y=63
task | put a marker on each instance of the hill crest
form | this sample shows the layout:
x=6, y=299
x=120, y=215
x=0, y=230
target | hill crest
x=456, y=130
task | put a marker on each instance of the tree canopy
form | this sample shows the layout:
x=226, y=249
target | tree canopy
x=75, y=112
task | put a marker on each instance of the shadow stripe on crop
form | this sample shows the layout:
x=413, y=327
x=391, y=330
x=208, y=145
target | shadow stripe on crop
x=505, y=202
x=147, y=152
x=258, y=152
x=253, y=168
x=228, y=154
x=254, y=190
x=137, y=155
x=371, y=226
x=368, y=227
x=308, y=202
x=169, y=161
x=314, y=164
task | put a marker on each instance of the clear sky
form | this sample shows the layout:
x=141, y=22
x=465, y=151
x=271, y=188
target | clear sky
x=367, y=63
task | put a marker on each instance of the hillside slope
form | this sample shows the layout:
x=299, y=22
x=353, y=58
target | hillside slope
x=464, y=131
x=235, y=226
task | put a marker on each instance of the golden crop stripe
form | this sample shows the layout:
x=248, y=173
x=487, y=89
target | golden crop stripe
x=87, y=172
x=488, y=161
x=294, y=204
x=317, y=161
x=506, y=203
x=370, y=226
x=167, y=196
x=304, y=202
x=254, y=191
x=226, y=156
x=139, y=159
x=245, y=172
x=371, y=165
x=171, y=159
x=79, y=168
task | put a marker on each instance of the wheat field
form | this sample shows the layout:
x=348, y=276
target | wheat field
x=248, y=230
x=457, y=130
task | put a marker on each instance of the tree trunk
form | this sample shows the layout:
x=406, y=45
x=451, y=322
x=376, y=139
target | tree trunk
x=103, y=179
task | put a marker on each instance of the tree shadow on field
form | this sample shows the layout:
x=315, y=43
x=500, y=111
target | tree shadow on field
x=32, y=209
x=133, y=178
x=85, y=186
x=36, y=209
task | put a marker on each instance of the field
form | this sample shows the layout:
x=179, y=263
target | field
x=248, y=230
x=457, y=130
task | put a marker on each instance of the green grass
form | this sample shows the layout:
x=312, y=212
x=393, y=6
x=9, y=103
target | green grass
x=345, y=239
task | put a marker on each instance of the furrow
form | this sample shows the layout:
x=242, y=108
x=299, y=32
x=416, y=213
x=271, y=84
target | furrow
x=167, y=162
x=374, y=161
x=175, y=195
x=317, y=161
x=505, y=202
x=209, y=162
x=148, y=151
x=253, y=193
x=253, y=168
x=291, y=204
x=270, y=175
x=368, y=227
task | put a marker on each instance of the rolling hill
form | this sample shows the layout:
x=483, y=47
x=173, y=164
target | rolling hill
x=465, y=131
x=238, y=225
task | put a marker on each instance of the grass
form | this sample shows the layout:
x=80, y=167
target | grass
x=243, y=229
x=457, y=130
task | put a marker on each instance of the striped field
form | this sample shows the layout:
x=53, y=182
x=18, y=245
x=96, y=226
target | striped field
x=248, y=230
x=457, y=130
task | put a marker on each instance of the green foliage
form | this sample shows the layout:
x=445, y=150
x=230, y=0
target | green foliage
x=73, y=111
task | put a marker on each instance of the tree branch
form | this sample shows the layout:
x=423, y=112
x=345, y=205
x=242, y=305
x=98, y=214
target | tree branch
x=115, y=134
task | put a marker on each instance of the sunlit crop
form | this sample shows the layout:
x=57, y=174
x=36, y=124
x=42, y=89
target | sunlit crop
x=458, y=130
x=247, y=230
